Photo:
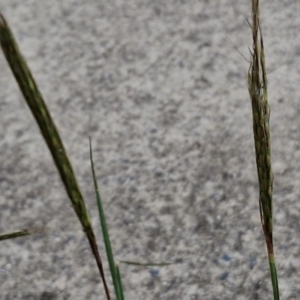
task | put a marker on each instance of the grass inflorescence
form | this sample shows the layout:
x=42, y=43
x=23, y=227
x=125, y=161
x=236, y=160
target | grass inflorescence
x=38, y=107
x=258, y=90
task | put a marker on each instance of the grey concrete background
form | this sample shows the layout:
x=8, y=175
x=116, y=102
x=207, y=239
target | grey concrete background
x=162, y=91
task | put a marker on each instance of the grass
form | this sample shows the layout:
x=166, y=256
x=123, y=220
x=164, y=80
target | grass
x=38, y=107
x=258, y=91
x=114, y=270
x=19, y=233
x=257, y=86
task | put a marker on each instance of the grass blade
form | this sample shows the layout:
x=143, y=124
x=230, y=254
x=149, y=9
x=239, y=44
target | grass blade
x=109, y=252
x=20, y=233
x=134, y=263
x=50, y=133
x=257, y=86
x=119, y=281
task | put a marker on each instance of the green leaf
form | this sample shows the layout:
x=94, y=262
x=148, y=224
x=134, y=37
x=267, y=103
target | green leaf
x=113, y=269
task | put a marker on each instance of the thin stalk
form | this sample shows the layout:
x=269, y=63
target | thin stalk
x=257, y=86
x=113, y=270
x=50, y=133
x=19, y=233
x=134, y=263
x=119, y=281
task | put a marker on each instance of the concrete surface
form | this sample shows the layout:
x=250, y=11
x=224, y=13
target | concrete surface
x=163, y=93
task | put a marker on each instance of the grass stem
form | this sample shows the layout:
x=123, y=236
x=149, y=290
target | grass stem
x=20, y=233
x=114, y=270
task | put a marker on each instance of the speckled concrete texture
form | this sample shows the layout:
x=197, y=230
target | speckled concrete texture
x=163, y=93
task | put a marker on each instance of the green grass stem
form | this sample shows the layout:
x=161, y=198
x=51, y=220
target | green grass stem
x=119, y=280
x=113, y=269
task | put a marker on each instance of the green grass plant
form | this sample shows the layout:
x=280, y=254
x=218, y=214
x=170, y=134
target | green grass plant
x=114, y=270
x=258, y=91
